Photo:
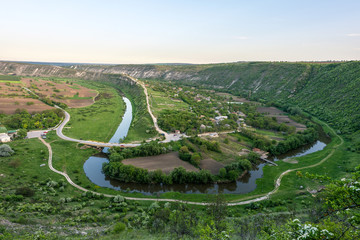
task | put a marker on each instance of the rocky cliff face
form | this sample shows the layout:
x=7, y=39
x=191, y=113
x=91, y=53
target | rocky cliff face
x=34, y=70
x=142, y=71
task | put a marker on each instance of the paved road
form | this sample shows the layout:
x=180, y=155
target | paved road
x=35, y=134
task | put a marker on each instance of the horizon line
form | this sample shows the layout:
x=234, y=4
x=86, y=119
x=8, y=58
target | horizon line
x=174, y=63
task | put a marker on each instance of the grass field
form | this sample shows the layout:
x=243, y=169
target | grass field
x=10, y=81
x=271, y=134
x=36, y=154
x=138, y=131
x=142, y=126
x=99, y=121
x=161, y=101
x=9, y=78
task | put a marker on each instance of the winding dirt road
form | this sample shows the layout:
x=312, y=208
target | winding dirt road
x=258, y=199
x=168, y=138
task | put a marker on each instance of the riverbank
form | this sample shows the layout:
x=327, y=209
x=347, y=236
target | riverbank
x=336, y=143
x=99, y=121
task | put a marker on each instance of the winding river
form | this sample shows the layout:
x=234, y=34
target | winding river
x=93, y=169
x=123, y=129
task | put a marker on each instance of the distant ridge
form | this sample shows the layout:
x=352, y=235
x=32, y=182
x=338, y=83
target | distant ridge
x=330, y=91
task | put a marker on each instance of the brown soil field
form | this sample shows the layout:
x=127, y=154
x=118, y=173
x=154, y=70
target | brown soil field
x=77, y=103
x=281, y=117
x=9, y=105
x=64, y=92
x=211, y=165
x=235, y=98
x=12, y=89
x=165, y=162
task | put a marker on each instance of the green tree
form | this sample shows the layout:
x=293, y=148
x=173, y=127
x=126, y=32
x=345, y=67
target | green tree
x=21, y=133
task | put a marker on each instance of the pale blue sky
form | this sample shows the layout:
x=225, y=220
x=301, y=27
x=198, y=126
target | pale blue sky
x=196, y=31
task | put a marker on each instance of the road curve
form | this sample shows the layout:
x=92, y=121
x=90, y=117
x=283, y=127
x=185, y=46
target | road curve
x=158, y=129
x=60, y=128
x=167, y=139
x=68, y=179
x=167, y=136
x=262, y=198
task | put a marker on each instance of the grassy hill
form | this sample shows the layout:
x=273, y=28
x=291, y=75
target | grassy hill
x=330, y=91
x=327, y=90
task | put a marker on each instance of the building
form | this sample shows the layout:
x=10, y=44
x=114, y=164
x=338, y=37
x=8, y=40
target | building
x=241, y=114
x=177, y=131
x=220, y=118
x=4, y=138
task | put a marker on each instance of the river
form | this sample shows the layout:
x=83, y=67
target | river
x=123, y=129
x=93, y=169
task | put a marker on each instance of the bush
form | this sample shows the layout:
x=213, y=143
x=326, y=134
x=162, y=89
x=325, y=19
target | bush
x=118, y=199
x=5, y=151
x=25, y=191
x=119, y=227
x=15, y=163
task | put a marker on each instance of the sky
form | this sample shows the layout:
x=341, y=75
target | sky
x=174, y=31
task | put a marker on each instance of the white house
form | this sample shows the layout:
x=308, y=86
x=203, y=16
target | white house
x=220, y=118
x=4, y=138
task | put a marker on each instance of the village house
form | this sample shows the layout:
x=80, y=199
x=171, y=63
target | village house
x=4, y=138
x=241, y=114
x=220, y=118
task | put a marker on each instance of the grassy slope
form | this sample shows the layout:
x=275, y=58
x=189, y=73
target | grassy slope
x=333, y=94
x=329, y=91
x=29, y=167
x=160, y=101
x=142, y=126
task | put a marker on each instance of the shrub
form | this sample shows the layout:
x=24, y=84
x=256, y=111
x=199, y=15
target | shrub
x=25, y=191
x=119, y=227
x=118, y=199
x=5, y=151
x=15, y=163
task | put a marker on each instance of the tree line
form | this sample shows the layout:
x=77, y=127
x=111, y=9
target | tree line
x=22, y=119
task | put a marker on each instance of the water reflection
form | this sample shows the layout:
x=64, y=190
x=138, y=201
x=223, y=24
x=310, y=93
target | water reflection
x=122, y=130
x=247, y=183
